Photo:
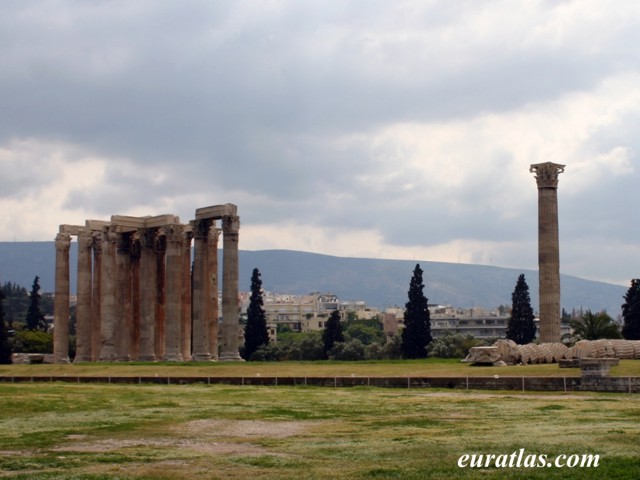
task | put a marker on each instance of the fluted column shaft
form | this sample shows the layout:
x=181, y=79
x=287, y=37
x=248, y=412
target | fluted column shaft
x=174, y=293
x=134, y=330
x=123, y=297
x=201, y=342
x=108, y=296
x=230, y=292
x=548, y=250
x=186, y=295
x=61, y=300
x=96, y=335
x=147, y=295
x=214, y=314
x=83, y=304
x=160, y=294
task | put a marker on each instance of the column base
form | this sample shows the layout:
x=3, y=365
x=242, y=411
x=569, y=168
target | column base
x=61, y=360
x=146, y=358
x=201, y=357
x=174, y=357
x=85, y=359
x=230, y=357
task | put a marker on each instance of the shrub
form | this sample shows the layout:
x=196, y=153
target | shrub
x=452, y=345
x=350, y=350
x=32, y=341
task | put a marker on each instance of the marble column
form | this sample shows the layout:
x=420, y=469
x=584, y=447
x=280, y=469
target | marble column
x=200, y=333
x=134, y=330
x=108, y=296
x=174, y=294
x=123, y=297
x=147, y=295
x=186, y=294
x=214, y=314
x=83, y=304
x=96, y=295
x=61, y=300
x=230, y=293
x=161, y=248
x=548, y=250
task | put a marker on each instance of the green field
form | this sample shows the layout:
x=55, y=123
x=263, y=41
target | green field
x=389, y=368
x=108, y=431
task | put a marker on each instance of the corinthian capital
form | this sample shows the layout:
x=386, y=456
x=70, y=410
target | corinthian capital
x=547, y=174
x=63, y=241
x=230, y=224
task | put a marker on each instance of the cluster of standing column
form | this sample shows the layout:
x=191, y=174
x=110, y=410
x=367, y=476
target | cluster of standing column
x=137, y=295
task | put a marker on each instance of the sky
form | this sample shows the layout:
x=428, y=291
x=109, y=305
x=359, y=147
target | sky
x=366, y=128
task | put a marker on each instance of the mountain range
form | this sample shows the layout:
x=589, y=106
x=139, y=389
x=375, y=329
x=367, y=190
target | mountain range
x=380, y=283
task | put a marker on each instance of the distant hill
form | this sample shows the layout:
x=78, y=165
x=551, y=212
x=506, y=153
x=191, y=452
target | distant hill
x=379, y=283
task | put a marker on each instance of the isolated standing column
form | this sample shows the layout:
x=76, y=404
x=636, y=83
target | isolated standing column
x=548, y=249
x=61, y=305
x=230, y=293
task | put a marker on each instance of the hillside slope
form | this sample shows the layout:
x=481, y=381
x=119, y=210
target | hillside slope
x=379, y=283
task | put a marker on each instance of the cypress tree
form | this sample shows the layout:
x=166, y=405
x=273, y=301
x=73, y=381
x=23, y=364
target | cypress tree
x=256, y=333
x=416, y=335
x=521, y=328
x=332, y=333
x=631, y=312
x=5, y=345
x=35, y=317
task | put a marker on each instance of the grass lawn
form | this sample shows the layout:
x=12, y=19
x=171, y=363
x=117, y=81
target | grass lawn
x=109, y=431
x=391, y=368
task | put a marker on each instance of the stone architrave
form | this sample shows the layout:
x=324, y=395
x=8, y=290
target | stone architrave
x=108, y=296
x=186, y=293
x=61, y=305
x=230, y=292
x=148, y=295
x=174, y=293
x=123, y=297
x=83, y=303
x=200, y=308
x=214, y=314
x=548, y=249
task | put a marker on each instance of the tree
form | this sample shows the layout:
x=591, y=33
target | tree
x=593, y=326
x=256, y=333
x=5, y=345
x=332, y=333
x=35, y=317
x=16, y=304
x=631, y=312
x=416, y=335
x=521, y=327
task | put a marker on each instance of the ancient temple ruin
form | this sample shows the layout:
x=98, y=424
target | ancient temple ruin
x=137, y=296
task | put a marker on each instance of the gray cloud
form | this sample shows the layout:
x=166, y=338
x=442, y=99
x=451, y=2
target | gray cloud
x=283, y=105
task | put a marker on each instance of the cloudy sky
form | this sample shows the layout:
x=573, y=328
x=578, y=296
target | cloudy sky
x=381, y=129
